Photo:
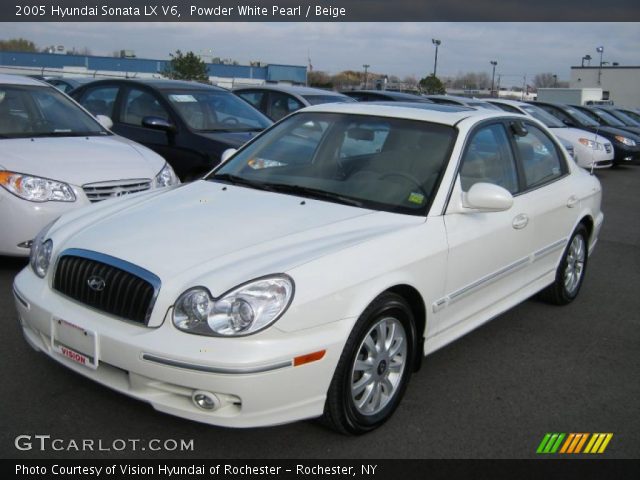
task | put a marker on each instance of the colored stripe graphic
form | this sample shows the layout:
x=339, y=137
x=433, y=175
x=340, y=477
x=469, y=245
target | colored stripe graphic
x=598, y=442
x=574, y=443
x=550, y=443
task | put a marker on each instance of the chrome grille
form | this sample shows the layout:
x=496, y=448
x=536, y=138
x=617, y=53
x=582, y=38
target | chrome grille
x=107, y=284
x=607, y=147
x=116, y=188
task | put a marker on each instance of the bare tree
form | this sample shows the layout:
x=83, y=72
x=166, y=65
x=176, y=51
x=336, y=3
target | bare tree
x=545, y=80
x=471, y=81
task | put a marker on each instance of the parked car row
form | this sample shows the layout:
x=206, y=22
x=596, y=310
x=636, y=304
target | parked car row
x=624, y=139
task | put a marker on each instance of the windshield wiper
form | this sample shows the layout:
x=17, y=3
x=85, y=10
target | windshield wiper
x=315, y=193
x=236, y=180
x=61, y=134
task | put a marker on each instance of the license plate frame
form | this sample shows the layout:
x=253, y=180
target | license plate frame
x=74, y=343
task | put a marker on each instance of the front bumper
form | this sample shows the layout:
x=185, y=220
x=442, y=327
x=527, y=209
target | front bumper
x=625, y=154
x=253, y=377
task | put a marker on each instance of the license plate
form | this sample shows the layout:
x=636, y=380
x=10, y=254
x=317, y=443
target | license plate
x=74, y=342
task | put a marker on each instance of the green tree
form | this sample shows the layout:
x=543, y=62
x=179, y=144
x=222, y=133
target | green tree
x=17, y=45
x=432, y=85
x=186, y=66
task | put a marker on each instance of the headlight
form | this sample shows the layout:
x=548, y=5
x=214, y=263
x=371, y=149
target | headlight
x=36, y=189
x=244, y=310
x=166, y=177
x=40, y=255
x=591, y=144
x=626, y=141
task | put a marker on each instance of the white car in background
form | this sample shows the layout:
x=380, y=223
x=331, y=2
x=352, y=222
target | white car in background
x=589, y=149
x=55, y=157
x=309, y=274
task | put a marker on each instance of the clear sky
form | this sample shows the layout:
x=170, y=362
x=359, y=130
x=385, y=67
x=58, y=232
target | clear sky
x=392, y=48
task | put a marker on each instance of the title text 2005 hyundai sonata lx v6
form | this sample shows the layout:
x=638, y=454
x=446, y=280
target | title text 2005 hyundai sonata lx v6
x=310, y=273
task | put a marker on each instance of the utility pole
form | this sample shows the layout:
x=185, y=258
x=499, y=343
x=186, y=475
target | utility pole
x=437, y=43
x=600, y=50
x=493, y=76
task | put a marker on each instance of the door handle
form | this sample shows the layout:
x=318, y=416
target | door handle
x=520, y=221
x=572, y=201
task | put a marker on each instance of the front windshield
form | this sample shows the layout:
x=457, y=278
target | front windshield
x=624, y=118
x=372, y=162
x=216, y=111
x=318, y=99
x=581, y=117
x=485, y=105
x=545, y=117
x=608, y=118
x=35, y=111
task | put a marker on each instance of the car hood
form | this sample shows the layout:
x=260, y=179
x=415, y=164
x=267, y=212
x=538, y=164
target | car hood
x=186, y=233
x=232, y=139
x=606, y=130
x=572, y=135
x=78, y=160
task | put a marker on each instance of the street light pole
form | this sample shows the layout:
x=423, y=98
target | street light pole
x=555, y=81
x=600, y=50
x=493, y=76
x=366, y=67
x=435, y=63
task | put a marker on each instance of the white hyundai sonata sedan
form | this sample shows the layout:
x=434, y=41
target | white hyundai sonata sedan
x=55, y=157
x=310, y=273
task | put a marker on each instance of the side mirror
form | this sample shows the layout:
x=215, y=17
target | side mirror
x=487, y=197
x=157, y=123
x=568, y=123
x=227, y=154
x=105, y=121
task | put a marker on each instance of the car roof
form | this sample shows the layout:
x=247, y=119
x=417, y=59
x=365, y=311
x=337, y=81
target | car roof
x=294, y=89
x=8, y=79
x=445, y=114
x=392, y=94
x=160, y=83
x=515, y=103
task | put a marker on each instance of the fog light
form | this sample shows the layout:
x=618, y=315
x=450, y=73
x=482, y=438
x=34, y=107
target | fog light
x=205, y=400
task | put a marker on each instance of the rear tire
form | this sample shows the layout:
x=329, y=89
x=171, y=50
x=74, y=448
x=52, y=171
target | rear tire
x=374, y=368
x=571, y=270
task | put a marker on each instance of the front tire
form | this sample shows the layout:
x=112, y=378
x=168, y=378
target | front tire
x=374, y=368
x=571, y=271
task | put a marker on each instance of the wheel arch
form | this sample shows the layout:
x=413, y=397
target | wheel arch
x=419, y=310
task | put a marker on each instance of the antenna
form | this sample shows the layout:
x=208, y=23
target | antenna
x=593, y=150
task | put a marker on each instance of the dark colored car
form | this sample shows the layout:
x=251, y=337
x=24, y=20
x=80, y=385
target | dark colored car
x=190, y=124
x=633, y=113
x=278, y=101
x=384, y=96
x=626, y=145
x=603, y=117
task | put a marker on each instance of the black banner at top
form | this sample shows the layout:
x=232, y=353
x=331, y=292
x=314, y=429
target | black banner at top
x=319, y=10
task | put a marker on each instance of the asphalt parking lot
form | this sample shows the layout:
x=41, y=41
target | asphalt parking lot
x=491, y=394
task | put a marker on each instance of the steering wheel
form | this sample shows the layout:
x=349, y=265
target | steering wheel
x=231, y=121
x=408, y=177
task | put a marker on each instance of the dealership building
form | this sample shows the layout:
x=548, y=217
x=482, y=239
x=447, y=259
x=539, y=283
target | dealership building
x=224, y=75
x=620, y=84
